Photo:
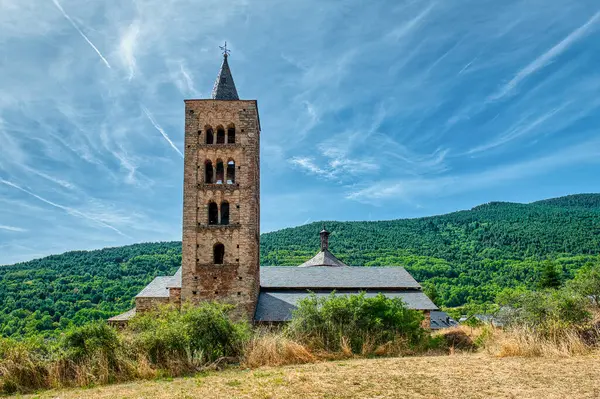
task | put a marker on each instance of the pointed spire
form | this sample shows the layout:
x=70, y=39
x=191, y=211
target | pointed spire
x=224, y=88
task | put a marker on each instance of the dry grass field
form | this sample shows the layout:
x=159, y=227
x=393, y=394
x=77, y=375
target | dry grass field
x=456, y=376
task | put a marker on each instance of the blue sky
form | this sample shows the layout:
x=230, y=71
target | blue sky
x=369, y=110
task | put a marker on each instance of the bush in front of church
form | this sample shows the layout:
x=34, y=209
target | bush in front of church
x=357, y=324
x=184, y=340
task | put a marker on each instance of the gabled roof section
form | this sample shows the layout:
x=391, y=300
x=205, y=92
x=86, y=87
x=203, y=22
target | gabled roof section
x=323, y=258
x=159, y=287
x=124, y=316
x=336, y=278
x=224, y=88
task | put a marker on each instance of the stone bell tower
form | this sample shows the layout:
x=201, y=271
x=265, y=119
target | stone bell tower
x=221, y=198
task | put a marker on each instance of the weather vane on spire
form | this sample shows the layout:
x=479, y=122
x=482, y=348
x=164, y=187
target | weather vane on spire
x=225, y=50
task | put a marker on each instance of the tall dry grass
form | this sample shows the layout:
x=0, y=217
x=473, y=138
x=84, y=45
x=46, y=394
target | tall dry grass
x=22, y=370
x=526, y=342
x=275, y=349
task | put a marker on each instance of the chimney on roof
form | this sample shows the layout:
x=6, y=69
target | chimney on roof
x=324, y=240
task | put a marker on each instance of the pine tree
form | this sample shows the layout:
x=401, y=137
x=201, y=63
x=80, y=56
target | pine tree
x=550, y=277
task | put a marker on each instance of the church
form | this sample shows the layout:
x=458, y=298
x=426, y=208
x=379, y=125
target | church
x=221, y=227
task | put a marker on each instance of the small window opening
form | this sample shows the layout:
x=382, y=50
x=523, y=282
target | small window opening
x=208, y=172
x=213, y=213
x=231, y=135
x=230, y=172
x=220, y=172
x=224, y=212
x=220, y=135
x=218, y=253
x=209, y=136
x=223, y=80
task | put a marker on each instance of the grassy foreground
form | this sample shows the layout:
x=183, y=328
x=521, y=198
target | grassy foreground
x=464, y=376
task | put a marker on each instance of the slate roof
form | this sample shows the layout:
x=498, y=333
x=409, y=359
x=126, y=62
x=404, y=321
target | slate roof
x=441, y=319
x=123, y=316
x=323, y=258
x=224, y=88
x=159, y=287
x=326, y=277
x=278, y=306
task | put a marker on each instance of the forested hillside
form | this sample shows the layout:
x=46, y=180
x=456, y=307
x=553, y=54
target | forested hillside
x=46, y=294
x=460, y=257
x=467, y=255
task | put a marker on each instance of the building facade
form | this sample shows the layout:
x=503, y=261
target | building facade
x=221, y=227
x=221, y=197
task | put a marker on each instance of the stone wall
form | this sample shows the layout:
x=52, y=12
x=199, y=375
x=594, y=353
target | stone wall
x=236, y=281
x=175, y=296
x=426, y=323
x=145, y=304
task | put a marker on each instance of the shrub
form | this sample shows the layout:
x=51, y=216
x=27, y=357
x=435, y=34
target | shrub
x=88, y=340
x=546, y=310
x=356, y=323
x=587, y=283
x=212, y=333
x=188, y=338
x=91, y=354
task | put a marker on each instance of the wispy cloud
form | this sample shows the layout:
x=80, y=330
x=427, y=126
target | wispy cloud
x=67, y=209
x=57, y=4
x=12, y=228
x=127, y=47
x=409, y=26
x=60, y=182
x=547, y=57
x=161, y=130
x=520, y=129
x=387, y=97
x=309, y=165
x=447, y=185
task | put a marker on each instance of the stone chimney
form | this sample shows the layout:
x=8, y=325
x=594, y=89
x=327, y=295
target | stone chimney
x=324, y=240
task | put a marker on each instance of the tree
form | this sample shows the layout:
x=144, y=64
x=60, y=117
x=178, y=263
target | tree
x=432, y=292
x=587, y=282
x=550, y=277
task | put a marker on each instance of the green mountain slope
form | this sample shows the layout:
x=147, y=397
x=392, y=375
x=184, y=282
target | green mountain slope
x=467, y=256
x=588, y=201
x=43, y=295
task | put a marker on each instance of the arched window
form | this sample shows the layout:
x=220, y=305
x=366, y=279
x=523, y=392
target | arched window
x=213, y=213
x=230, y=171
x=224, y=212
x=220, y=172
x=220, y=135
x=231, y=134
x=208, y=171
x=218, y=253
x=209, y=136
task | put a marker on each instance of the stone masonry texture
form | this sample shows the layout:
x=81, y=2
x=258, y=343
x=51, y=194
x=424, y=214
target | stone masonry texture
x=236, y=281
